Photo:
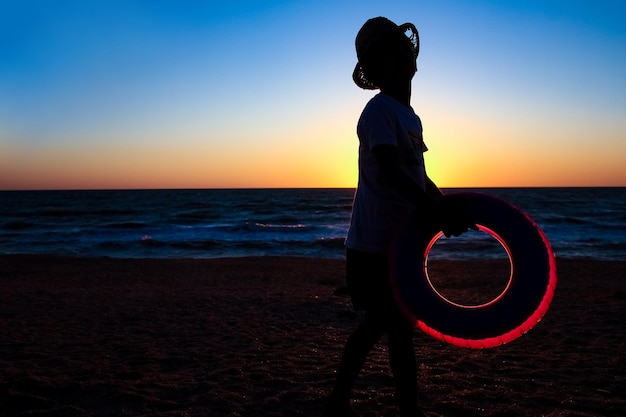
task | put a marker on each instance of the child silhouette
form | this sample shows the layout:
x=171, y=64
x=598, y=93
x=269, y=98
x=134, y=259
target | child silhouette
x=392, y=186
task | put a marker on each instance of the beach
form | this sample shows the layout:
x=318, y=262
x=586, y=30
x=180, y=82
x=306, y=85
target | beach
x=262, y=336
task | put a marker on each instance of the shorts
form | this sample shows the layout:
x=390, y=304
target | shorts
x=367, y=277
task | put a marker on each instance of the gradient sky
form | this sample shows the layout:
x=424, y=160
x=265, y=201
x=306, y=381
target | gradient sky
x=193, y=94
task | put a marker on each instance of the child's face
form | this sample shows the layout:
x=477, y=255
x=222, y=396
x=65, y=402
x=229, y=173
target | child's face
x=398, y=64
x=402, y=61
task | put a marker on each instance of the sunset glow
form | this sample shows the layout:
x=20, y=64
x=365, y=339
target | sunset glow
x=260, y=94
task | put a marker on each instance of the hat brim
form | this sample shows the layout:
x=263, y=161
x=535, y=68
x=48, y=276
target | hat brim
x=358, y=76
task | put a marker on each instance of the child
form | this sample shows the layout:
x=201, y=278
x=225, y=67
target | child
x=392, y=186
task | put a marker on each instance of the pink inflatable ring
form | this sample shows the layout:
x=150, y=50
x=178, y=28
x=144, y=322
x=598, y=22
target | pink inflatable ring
x=515, y=311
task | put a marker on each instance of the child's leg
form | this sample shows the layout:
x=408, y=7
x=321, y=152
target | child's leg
x=403, y=363
x=359, y=344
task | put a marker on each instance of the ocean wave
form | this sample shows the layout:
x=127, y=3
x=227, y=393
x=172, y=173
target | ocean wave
x=196, y=216
x=213, y=223
x=568, y=220
x=256, y=227
x=17, y=225
x=87, y=211
x=330, y=242
x=125, y=225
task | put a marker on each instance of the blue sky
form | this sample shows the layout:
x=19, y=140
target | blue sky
x=131, y=94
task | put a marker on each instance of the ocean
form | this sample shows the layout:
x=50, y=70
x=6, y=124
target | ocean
x=587, y=223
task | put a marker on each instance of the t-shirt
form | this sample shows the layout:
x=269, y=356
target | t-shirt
x=378, y=210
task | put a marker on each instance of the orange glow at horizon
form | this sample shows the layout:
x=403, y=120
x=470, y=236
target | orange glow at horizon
x=282, y=165
x=291, y=166
x=325, y=156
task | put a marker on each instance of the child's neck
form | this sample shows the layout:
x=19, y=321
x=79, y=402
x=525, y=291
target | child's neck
x=402, y=93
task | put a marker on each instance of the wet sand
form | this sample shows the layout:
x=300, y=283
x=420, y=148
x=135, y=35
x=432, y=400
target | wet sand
x=262, y=337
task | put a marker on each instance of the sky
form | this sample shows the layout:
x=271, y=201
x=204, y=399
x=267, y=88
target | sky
x=247, y=94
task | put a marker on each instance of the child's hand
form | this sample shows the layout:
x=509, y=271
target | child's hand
x=452, y=218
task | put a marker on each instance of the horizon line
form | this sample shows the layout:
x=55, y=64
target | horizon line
x=298, y=188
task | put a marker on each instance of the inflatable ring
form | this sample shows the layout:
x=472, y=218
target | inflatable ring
x=521, y=305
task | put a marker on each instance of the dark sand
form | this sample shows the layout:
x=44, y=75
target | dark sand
x=262, y=337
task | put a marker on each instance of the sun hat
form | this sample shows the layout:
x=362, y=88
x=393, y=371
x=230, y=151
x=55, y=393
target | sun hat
x=369, y=34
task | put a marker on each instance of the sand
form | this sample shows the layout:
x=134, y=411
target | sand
x=262, y=337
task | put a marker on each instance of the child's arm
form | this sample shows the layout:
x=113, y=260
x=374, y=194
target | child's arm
x=432, y=189
x=388, y=160
x=451, y=219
